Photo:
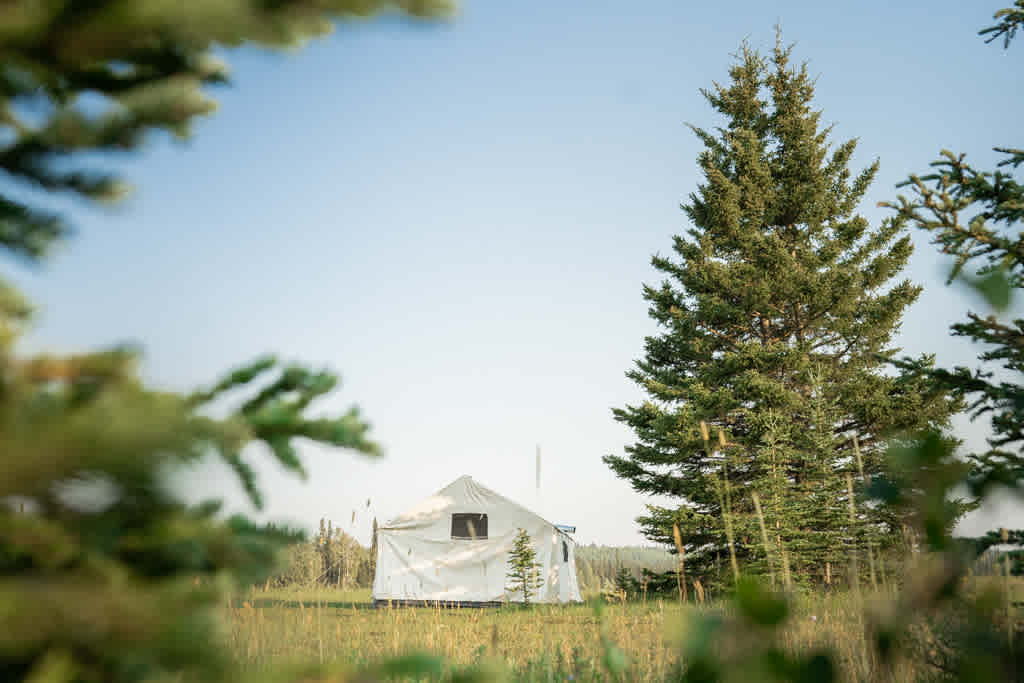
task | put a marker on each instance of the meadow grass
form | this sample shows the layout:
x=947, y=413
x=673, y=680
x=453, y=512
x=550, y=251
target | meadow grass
x=564, y=639
x=539, y=642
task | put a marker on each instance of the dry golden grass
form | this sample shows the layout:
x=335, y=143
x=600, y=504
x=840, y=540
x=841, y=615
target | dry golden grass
x=547, y=641
x=541, y=635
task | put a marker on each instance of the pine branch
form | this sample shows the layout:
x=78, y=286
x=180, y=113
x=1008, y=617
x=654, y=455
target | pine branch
x=1009, y=20
x=145, y=65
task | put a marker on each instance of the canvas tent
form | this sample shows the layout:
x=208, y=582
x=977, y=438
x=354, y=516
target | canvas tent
x=453, y=548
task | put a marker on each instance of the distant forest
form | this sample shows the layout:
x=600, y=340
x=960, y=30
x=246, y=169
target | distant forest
x=598, y=565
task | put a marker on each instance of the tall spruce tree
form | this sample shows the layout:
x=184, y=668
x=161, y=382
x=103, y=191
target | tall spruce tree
x=776, y=314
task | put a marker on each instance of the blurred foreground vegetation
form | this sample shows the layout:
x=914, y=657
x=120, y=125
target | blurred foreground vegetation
x=105, y=573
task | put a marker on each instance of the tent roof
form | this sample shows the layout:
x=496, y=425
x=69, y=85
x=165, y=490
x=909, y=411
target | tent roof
x=464, y=490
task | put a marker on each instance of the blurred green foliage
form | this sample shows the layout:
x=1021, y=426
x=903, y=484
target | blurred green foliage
x=747, y=646
x=81, y=76
x=976, y=216
x=105, y=573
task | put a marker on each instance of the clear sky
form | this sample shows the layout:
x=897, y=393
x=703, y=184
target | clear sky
x=458, y=218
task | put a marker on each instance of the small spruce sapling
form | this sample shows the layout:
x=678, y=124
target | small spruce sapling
x=523, y=569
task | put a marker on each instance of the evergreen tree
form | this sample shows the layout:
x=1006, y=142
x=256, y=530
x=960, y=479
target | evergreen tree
x=105, y=573
x=626, y=584
x=523, y=570
x=776, y=314
x=977, y=216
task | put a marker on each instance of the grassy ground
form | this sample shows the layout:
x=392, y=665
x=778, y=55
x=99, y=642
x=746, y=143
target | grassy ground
x=550, y=642
x=539, y=642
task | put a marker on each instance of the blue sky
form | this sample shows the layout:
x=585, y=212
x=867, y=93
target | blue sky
x=458, y=218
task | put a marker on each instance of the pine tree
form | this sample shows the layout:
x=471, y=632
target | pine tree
x=105, y=573
x=523, y=570
x=776, y=314
x=977, y=216
x=625, y=583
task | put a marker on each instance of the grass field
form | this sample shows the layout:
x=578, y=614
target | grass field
x=542, y=642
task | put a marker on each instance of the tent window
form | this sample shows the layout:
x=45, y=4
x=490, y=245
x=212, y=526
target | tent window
x=565, y=551
x=469, y=525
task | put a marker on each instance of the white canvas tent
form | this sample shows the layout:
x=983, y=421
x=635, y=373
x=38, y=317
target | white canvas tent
x=453, y=548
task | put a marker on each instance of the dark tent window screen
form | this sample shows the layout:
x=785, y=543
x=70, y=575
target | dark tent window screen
x=469, y=525
x=565, y=551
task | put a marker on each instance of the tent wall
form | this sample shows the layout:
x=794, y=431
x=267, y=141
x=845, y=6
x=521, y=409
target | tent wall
x=418, y=560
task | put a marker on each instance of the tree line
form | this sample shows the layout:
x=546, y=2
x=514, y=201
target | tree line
x=330, y=558
x=598, y=566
